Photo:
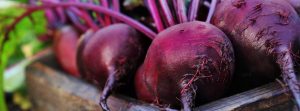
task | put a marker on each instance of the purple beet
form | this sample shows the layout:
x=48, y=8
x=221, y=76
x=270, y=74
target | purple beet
x=186, y=64
x=265, y=35
x=110, y=57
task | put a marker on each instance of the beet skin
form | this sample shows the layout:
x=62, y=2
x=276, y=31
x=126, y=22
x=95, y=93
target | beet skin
x=111, y=55
x=265, y=35
x=186, y=62
x=64, y=46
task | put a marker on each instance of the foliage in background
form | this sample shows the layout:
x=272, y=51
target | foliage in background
x=22, y=43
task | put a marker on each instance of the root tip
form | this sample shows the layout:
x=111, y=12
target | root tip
x=103, y=104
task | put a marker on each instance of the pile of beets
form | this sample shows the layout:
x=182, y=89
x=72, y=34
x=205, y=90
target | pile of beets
x=174, y=53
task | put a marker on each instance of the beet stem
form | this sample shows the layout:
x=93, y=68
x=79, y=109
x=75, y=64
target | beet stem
x=181, y=11
x=85, y=16
x=100, y=19
x=155, y=14
x=149, y=33
x=61, y=15
x=76, y=21
x=50, y=16
x=193, y=9
x=285, y=61
x=211, y=10
x=167, y=13
x=109, y=86
x=104, y=3
x=81, y=13
x=98, y=16
x=58, y=10
x=116, y=5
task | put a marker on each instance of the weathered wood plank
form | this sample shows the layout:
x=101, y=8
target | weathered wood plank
x=52, y=90
x=268, y=97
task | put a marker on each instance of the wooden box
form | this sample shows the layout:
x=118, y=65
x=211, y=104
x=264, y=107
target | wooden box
x=50, y=89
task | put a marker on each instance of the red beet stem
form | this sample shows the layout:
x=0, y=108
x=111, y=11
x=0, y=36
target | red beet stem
x=211, y=10
x=98, y=16
x=85, y=16
x=166, y=12
x=149, y=33
x=181, y=11
x=100, y=19
x=61, y=15
x=193, y=9
x=206, y=3
x=104, y=3
x=116, y=5
x=50, y=16
x=58, y=10
x=76, y=21
x=155, y=14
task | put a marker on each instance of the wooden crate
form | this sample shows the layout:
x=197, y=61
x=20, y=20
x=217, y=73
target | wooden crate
x=52, y=90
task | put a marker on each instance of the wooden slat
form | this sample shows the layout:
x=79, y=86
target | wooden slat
x=52, y=90
x=268, y=97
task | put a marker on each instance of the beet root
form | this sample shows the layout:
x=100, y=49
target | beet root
x=190, y=61
x=265, y=36
x=65, y=40
x=110, y=57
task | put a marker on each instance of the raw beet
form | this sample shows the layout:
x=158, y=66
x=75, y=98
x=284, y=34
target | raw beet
x=65, y=41
x=186, y=62
x=265, y=36
x=110, y=57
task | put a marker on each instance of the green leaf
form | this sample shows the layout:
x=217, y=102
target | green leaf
x=25, y=33
x=14, y=77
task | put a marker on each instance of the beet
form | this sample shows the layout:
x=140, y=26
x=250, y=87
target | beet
x=65, y=40
x=265, y=36
x=186, y=62
x=110, y=57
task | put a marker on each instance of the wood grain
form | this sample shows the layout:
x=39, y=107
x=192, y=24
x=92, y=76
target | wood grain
x=52, y=90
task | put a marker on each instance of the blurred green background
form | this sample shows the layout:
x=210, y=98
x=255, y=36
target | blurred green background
x=22, y=44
